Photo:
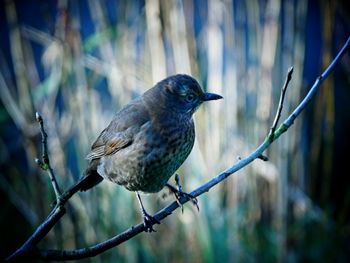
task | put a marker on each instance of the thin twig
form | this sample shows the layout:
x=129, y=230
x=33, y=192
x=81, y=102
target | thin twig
x=45, y=162
x=280, y=103
x=30, y=251
x=263, y=157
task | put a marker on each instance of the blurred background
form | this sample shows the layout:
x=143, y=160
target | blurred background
x=78, y=62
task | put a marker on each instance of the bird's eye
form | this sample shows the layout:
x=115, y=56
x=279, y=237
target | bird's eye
x=190, y=97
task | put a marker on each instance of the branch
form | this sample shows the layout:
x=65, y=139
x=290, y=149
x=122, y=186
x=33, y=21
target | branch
x=45, y=162
x=302, y=105
x=30, y=251
x=280, y=104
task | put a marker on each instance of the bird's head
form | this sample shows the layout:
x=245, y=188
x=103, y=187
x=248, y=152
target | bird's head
x=182, y=94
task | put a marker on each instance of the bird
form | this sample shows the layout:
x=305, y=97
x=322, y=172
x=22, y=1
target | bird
x=147, y=140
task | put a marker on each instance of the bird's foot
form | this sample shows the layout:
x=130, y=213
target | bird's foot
x=179, y=193
x=149, y=221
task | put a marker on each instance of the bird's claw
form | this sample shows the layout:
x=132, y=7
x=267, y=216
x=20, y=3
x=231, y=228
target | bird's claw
x=149, y=221
x=179, y=193
x=187, y=196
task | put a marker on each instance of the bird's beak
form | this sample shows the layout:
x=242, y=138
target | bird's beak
x=211, y=96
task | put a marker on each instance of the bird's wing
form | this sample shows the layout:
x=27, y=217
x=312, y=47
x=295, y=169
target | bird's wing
x=120, y=132
x=108, y=147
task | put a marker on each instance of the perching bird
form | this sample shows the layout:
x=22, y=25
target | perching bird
x=147, y=140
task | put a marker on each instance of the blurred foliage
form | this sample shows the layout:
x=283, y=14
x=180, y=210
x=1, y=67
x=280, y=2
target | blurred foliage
x=78, y=62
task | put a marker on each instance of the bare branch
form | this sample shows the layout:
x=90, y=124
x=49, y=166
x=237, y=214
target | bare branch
x=45, y=162
x=302, y=105
x=280, y=104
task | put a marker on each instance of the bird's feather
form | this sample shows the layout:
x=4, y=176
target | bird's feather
x=121, y=131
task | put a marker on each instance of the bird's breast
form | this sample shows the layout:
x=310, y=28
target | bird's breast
x=156, y=152
x=165, y=151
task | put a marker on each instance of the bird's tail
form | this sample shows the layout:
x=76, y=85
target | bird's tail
x=89, y=180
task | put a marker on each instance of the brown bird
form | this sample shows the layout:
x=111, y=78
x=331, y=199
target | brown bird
x=147, y=140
